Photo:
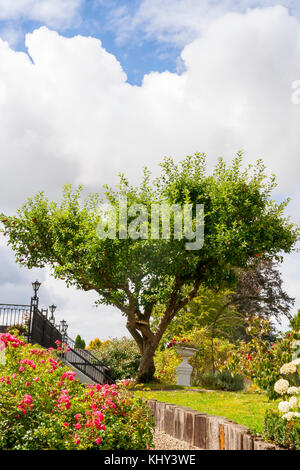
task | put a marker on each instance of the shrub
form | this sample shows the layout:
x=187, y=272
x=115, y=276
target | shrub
x=223, y=380
x=44, y=406
x=122, y=356
x=282, y=432
x=166, y=362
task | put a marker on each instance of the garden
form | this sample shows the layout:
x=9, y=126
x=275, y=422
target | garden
x=224, y=302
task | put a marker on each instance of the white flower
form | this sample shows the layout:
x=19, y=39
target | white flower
x=293, y=390
x=296, y=362
x=281, y=386
x=288, y=416
x=295, y=344
x=283, y=406
x=288, y=368
x=293, y=402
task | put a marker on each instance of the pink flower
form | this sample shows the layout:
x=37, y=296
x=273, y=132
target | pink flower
x=66, y=425
x=27, y=399
x=36, y=379
x=98, y=440
x=27, y=384
x=99, y=415
x=21, y=369
x=78, y=426
x=58, y=342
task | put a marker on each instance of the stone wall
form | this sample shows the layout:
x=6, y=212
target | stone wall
x=203, y=430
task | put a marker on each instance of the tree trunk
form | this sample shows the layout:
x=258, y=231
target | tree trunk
x=146, y=367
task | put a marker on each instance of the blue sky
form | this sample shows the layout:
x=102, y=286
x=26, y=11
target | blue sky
x=137, y=54
x=133, y=36
x=202, y=76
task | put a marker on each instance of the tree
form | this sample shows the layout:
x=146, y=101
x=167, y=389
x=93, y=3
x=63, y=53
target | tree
x=136, y=273
x=94, y=344
x=79, y=342
x=259, y=292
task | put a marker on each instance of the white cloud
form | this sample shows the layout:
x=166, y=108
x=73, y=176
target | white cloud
x=177, y=21
x=55, y=13
x=68, y=114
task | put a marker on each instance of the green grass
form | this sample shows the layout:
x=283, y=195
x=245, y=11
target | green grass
x=158, y=386
x=244, y=408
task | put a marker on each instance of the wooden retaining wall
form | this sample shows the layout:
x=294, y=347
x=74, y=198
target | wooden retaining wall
x=203, y=430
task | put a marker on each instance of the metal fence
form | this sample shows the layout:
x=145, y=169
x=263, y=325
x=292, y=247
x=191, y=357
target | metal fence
x=42, y=331
x=96, y=371
x=15, y=315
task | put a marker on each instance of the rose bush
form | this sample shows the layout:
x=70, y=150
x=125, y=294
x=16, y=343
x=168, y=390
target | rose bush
x=44, y=406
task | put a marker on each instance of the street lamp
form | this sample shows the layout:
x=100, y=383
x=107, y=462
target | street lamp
x=64, y=327
x=36, y=285
x=34, y=304
x=52, y=309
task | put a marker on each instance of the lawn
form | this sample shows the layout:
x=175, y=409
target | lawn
x=244, y=408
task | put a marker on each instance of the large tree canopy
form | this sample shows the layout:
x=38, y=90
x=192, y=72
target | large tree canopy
x=242, y=225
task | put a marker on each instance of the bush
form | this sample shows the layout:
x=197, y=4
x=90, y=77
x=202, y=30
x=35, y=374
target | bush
x=44, y=406
x=223, y=380
x=282, y=432
x=122, y=356
x=166, y=362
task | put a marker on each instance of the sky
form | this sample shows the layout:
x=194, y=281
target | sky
x=89, y=88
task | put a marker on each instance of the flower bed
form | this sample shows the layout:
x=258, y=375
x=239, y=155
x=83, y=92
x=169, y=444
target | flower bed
x=44, y=406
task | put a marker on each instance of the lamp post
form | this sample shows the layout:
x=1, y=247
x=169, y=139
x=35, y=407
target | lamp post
x=52, y=309
x=34, y=303
x=63, y=329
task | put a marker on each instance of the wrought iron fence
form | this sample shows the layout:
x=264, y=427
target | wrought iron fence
x=97, y=372
x=15, y=315
x=42, y=331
